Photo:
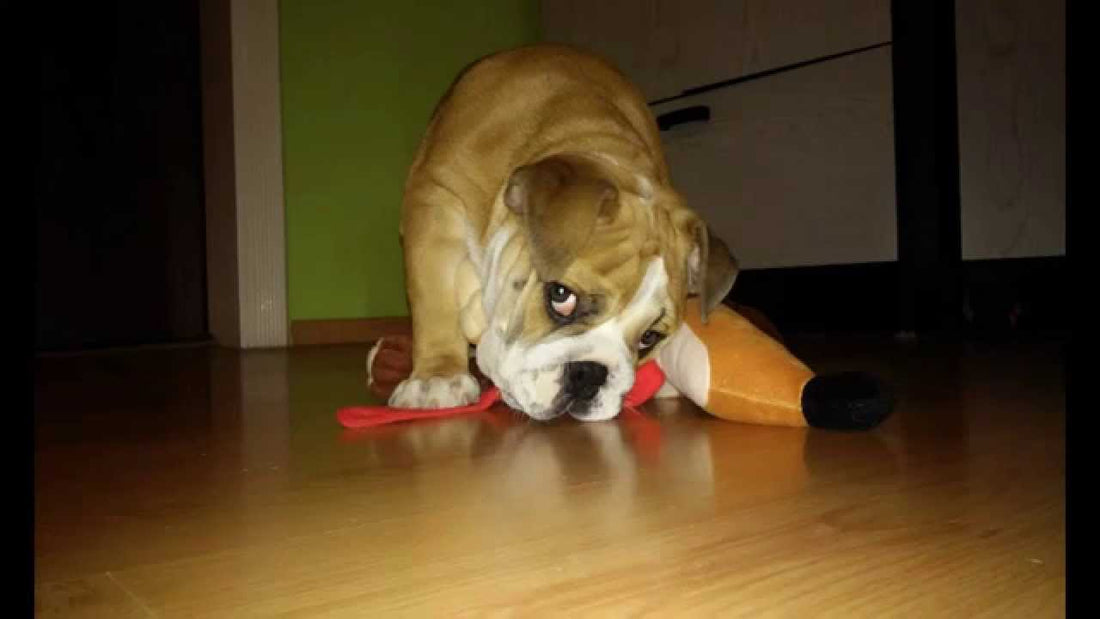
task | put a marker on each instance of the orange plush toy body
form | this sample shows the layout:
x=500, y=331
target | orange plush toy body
x=728, y=366
x=734, y=370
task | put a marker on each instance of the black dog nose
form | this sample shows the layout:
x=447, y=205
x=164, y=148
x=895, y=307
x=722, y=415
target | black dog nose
x=583, y=379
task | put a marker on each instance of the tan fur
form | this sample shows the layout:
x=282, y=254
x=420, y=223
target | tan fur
x=560, y=144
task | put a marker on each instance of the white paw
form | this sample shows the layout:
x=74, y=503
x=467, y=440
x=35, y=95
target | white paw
x=436, y=392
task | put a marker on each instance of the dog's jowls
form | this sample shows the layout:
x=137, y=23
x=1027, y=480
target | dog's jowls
x=539, y=224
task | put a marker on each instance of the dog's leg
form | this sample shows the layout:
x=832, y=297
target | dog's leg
x=434, y=232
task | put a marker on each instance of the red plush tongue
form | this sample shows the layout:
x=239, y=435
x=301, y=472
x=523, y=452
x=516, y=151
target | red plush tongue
x=647, y=380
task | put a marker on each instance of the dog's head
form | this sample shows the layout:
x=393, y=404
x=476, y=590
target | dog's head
x=587, y=281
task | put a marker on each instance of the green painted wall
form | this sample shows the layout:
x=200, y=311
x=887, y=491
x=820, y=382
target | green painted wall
x=359, y=81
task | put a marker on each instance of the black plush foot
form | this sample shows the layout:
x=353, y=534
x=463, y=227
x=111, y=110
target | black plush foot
x=846, y=401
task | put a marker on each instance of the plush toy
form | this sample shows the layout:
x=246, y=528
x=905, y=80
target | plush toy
x=734, y=370
x=729, y=367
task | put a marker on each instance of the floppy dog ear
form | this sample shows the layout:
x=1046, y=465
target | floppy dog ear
x=561, y=199
x=712, y=269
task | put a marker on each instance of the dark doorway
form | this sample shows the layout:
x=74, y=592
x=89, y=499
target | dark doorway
x=120, y=219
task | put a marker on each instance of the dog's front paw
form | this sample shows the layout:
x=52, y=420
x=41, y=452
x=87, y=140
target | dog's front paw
x=436, y=392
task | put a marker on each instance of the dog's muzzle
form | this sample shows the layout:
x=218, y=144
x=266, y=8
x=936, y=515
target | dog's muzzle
x=583, y=379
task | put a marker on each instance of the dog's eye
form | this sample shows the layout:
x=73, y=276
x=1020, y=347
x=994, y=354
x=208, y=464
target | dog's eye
x=562, y=300
x=650, y=339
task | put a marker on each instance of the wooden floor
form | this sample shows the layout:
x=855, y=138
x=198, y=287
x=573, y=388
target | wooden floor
x=198, y=482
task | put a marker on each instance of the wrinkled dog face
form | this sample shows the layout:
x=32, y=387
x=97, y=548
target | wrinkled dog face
x=546, y=364
x=584, y=283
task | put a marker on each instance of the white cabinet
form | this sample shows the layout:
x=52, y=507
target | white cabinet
x=667, y=46
x=796, y=169
x=792, y=169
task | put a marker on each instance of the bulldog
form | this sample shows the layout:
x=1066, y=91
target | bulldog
x=540, y=228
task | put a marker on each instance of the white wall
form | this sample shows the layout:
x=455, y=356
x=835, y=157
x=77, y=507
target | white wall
x=243, y=168
x=1011, y=85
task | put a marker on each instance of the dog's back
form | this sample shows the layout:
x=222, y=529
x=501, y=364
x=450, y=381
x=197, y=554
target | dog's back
x=513, y=107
